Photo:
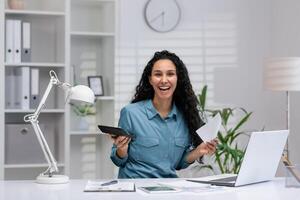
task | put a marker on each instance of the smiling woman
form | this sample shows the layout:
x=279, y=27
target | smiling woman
x=164, y=81
x=163, y=118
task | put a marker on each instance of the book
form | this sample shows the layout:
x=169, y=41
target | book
x=110, y=186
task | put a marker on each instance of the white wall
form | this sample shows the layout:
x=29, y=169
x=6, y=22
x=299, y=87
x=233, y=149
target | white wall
x=285, y=41
x=224, y=44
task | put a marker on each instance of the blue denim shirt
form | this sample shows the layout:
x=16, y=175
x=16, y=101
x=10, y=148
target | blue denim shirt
x=160, y=145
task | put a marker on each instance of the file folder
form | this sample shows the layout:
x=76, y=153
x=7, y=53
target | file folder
x=9, y=41
x=17, y=88
x=26, y=42
x=17, y=41
x=34, y=87
x=22, y=89
x=25, y=88
x=9, y=88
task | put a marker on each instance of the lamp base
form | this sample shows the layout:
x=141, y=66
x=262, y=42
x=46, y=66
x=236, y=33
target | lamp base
x=54, y=179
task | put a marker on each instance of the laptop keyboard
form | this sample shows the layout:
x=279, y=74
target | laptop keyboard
x=228, y=179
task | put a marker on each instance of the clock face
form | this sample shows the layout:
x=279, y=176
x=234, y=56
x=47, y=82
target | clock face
x=162, y=15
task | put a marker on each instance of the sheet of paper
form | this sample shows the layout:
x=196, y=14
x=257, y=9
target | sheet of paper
x=192, y=187
x=121, y=186
x=183, y=184
x=210, y=130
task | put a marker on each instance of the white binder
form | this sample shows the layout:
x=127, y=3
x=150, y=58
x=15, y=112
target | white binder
x=22, y=89
x=9, y=41
x=17, y=41
x=9, y=88
x=34, y=88
x=26, y=40
x=17, y=88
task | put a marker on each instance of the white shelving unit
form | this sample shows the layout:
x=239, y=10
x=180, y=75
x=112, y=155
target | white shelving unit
x=34, y=64
x=34, y=12
x=32, y=110
x=92, y=53
x=75, y=38
x=48, y=20
x=91, y=34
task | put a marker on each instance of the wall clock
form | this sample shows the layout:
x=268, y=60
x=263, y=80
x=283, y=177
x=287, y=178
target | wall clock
x=162, y=15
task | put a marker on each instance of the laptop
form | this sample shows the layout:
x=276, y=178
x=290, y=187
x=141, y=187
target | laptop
x=260, y=162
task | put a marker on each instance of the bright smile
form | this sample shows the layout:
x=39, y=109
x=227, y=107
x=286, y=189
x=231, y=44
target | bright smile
x=164, y=88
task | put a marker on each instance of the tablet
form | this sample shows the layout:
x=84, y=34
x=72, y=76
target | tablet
x=115, y=131
x=158, y=189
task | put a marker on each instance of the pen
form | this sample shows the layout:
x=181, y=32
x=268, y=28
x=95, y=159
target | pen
x=110, y=183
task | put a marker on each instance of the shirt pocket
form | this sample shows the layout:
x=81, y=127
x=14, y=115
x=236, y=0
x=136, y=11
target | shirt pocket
x=148, y=149
x=181, y=145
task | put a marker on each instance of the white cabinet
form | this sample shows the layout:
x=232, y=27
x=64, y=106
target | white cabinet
x=75, y=38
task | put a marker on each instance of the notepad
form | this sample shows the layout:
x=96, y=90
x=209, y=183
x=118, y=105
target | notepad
x=121, y=186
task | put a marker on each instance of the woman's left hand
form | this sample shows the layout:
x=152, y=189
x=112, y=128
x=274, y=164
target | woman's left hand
x=207, y=148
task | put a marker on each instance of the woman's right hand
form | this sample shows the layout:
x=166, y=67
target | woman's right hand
x=122, y=145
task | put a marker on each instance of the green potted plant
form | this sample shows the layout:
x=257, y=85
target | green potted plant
x=228, y=156
x=83, y=111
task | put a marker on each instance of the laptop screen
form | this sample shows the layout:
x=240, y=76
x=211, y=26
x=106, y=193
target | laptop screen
x=262, y=156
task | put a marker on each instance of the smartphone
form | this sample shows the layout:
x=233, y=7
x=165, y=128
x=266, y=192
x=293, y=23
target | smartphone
x=158, y=189
x=115, y=131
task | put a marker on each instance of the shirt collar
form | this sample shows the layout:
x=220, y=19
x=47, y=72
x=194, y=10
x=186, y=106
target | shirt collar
x=152, y=112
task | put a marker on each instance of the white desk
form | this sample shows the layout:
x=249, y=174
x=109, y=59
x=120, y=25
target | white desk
x=19, y=190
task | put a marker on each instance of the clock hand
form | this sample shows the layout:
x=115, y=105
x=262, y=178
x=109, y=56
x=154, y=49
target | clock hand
x=163, y=18
x=156, y=17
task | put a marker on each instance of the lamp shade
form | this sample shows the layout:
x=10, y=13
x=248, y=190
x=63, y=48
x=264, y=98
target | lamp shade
x=81, y=93
x=282, y=74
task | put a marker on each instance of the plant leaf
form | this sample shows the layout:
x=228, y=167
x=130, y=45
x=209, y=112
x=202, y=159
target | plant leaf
x=202, y=98
x=242, y=121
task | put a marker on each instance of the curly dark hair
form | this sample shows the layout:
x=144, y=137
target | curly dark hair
x=184, y=96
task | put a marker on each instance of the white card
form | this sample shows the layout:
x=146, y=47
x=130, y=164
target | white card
x=210, y=130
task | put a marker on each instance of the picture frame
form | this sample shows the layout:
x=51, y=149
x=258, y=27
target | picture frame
x=96, y=84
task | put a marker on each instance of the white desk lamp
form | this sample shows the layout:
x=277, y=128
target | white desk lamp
x=77, y=93
x=283, y=74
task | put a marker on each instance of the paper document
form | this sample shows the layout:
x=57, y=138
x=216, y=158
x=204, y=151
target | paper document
x=183, y=184
x=188, y=186
x=210, y=130
x=102, y=186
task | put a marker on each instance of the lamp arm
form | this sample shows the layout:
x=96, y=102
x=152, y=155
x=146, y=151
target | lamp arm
x=53, y=81
x=46, y=150
x=32, y=118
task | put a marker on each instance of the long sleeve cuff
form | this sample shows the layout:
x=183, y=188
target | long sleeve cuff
x=116, y=159
x=183, y=163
